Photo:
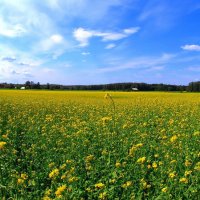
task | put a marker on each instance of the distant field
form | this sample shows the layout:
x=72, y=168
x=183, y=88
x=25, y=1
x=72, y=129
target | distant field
x=94, y=145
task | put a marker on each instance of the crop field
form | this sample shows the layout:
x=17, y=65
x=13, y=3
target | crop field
x=98, y=145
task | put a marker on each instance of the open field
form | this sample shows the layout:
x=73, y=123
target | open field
x=81, y=145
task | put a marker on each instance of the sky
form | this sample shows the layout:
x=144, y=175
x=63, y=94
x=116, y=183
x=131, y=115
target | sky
x=73, y=42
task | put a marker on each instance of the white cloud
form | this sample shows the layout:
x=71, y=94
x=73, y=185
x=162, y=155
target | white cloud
x=111, y=36
x=53, y=4
x=16, y=66
x=54, y=45
x=84, y=9
x=11, y=30
x=85, y=53
x=191, y=47
x=131, y=30
x=56, y=38
x=110, y=46
x=24, y=17
x=82, y=35
x=10, y=71
x=50, y=42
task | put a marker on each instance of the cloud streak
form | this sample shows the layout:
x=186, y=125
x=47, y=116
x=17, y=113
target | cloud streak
x=191, y=47
x=148, y=63
x=84, y=35
x=110, y=46
x=165, y=14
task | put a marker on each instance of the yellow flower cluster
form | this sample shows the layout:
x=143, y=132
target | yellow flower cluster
x=183, y=180
x=164, y=189
x=60, y=190
x=134, y=148
x=141, y=160
x=173, y=138
x=88, y=160
x=154, y=165
x=172, y=175
x=99, y=185
x=117, y=164
x=2, y=145
x=127, y=184
x=54, y=173
x=197, y=166
x=102, y=195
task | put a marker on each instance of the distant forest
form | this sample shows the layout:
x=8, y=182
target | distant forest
x=191, y=87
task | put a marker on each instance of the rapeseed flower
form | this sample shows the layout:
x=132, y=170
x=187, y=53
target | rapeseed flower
x=117, y=164
x=46, y=198
x=141, y=160
x=2, y=145
x=102, y=195
x=89, y=158
x=127, y=184
x=106, y=120
x=54, y=173
x=197, y=166
x=173, y=138
x=183, y=180
x=172, y=175
x=139, y=145
x=154, y=165
x=187, y=163
x=188, y=172
x=47, y=192
x=24, y=176
x=60, y=190
x=20, y=181
x=164, y=189
x=99, y=185
x=72, y=179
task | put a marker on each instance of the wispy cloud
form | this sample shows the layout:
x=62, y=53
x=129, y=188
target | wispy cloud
x=54, y=45
x=51, y=42
x=83, y=35
x=85, y=53
x=110, y=46
x=84, y=9
x=156, y=68
x=11, y=30
x=194, y=68
x=165, y=14
x=148, y=63
x=191, y=47
x=23, y=17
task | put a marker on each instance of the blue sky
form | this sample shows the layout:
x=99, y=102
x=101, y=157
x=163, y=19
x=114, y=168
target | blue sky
x=100, y=41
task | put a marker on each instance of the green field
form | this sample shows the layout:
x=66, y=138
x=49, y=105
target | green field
x=94, y=145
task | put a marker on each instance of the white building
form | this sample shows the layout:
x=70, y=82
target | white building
x=22, y=88
x=135, y=89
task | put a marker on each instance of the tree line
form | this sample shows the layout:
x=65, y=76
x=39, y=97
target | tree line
x=191, y=87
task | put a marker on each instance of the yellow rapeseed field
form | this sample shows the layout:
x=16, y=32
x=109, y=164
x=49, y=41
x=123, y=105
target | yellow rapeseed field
x=98, y=145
